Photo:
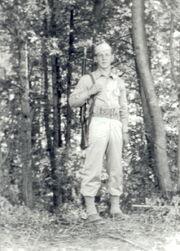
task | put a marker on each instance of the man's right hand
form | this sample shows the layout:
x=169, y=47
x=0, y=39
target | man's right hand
x=95, y=89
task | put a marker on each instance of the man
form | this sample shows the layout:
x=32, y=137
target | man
x=107, y=132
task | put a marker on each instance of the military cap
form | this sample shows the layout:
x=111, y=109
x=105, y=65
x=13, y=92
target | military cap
x=102, y=47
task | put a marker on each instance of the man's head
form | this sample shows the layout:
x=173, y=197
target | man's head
x=103, y=55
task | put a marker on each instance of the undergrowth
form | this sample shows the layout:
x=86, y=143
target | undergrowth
x=22, y=229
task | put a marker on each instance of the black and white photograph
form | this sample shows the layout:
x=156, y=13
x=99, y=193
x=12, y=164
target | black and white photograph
x=90, y=125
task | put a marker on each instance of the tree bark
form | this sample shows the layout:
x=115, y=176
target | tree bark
x=56, y=139
x=25, y=126
x=98, y=6
x=51, y=134
x=56, y=101
x=175, y=78
x=55, y=65
x=140, y=45
x=149, y=132
x=178, y=158
x=47, y=109
x=69, y=78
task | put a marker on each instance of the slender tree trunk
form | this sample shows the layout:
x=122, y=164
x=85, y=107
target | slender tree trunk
x=69, y=77
x=56, y=102
x=98, y=6
x=51, y=135
x=178, y=158
x=142, y=58
x=59, y=93
x=59, y=89
x=149, y=132
x=56, y=139
x=55, y=64
x=55, y=144
x=25, y=126
x=175, y=76
x=47, y=109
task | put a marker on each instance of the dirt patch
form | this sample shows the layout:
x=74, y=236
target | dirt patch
x=137, y=233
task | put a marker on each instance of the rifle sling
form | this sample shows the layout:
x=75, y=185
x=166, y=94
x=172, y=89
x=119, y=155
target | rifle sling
x=93, y=99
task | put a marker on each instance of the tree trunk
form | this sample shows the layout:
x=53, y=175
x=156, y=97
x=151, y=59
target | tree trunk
x=56, y=134
x=47, y=109
x=56, y=102
x=178, y=159
x=149, y=132
x=98, y=6
x=175, y=76
x=25, y=126
x=59, y=112
x=142, y=58
x=55, y=65
x=69, y=78
x=52, y=138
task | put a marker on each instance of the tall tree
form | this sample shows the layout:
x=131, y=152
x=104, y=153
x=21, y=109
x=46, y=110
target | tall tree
x=175, y=77
x=25, y=125
x=56, y=136
x=69, y=75
x=51, y=125
x=55, y=66
x=141, y=50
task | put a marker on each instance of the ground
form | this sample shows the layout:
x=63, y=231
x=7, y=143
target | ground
x=36, y=231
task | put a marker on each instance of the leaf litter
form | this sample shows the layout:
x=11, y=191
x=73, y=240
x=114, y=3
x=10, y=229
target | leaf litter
x=22, y=229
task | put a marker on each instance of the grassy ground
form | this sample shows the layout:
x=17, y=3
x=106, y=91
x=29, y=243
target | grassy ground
x=24, y=230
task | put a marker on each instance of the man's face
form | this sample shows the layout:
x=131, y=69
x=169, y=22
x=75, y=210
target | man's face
x=104, y=58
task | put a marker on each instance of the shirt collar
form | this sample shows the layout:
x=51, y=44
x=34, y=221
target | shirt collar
x=99, y=74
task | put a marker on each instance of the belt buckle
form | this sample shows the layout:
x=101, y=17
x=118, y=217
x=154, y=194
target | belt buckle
x=110, y=113
x=113, y=112
x=103, y=112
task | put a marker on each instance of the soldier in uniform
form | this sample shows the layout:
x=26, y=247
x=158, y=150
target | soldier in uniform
x=108, y=131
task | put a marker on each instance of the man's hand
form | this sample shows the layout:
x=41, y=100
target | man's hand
x=95, y=89
x=125, y=138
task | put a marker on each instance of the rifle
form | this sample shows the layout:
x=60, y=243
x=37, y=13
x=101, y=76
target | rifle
x=83, y=108
x=86, y=111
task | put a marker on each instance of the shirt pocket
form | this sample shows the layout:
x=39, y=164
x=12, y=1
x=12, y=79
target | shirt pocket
x=116, y=96
x=116, y=92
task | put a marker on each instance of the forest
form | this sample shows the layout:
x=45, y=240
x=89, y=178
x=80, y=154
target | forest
x=46, y=46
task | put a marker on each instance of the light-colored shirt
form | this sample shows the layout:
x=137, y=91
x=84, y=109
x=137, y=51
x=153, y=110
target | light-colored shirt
x=113, y=94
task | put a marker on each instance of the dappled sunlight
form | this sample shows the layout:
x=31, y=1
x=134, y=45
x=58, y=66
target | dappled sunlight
x=173, y=243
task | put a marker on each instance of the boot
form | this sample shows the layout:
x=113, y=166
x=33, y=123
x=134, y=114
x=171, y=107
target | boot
x=91, y=210
x=115, y=211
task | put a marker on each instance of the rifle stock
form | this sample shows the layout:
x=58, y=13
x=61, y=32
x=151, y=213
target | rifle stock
x=83, y=120
x=83, y=143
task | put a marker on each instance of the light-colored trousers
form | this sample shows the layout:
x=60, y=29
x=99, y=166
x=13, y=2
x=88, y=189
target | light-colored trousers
x=105, y=138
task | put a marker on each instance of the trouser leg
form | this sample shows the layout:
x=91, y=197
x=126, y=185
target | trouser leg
x=114, y=166
x=98, y=138
x=114, y=159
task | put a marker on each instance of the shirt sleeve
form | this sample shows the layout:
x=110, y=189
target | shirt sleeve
x=123, y=105
x=81, y=92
